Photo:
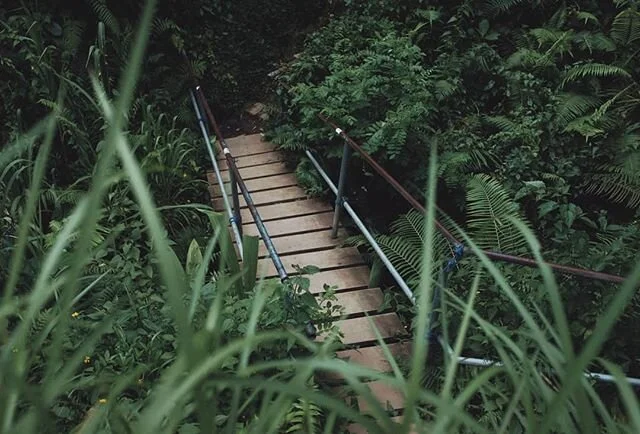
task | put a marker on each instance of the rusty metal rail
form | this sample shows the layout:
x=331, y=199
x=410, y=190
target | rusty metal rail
x=497, y=256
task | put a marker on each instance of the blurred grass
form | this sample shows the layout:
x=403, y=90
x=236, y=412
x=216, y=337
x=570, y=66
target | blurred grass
x=190, y=389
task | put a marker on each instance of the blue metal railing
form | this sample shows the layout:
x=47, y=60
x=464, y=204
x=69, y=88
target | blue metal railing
x=342, y=203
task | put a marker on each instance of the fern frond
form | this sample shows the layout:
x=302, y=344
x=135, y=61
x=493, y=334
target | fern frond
x=501, y=6
x=625, y=29
x=591, y=42
x=404, y=256
x=529, y=58
x=571, y=106
x=558, y=41
x=410, y=226
x=490, y=211
x=587, y=17
x=501, y=122
x=594, y=70
x=620, y=183
x=105, y=15
x=445, y=89
x=304, y=417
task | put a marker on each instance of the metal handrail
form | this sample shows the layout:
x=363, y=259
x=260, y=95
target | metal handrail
x=519, y=260
x=233, y=218
x=343, y=203
x=236, y=180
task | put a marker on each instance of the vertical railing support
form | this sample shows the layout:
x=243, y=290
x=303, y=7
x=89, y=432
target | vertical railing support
x=236, y=200
x=342, y=181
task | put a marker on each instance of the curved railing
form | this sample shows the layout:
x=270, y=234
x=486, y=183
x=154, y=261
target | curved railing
x=342, y=204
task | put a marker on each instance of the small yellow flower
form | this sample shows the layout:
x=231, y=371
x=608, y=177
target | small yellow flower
x=87, y=360
x=75, y=314
x=102, y=400
x=140, y=381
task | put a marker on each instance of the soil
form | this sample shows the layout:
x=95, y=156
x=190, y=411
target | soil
x=242, y=124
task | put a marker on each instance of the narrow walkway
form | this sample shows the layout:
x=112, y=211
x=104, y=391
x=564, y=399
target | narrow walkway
x=301, y=232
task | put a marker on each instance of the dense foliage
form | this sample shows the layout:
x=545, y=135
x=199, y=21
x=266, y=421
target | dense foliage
x=119, y=322
x=125, y=307
x=533, y=107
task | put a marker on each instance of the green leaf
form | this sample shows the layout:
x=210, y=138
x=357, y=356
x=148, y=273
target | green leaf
x=483, y=28
x=546, y=208
x=194, y=259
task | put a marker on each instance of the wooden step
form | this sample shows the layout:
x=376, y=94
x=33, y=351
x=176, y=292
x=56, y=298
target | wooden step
x=271, y=182
x=254, y=160
x=343, y=279
x=248, y=145
x=324, y=259
x=374, y=358
x=259, y=184
x=359, y=330
x=287, y=210
x=267, y=197
x=291, y=244
x=367, y=300
x=261, y=171
x=288, y=226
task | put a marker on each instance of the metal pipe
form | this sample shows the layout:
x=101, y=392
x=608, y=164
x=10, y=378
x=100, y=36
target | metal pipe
x=342, y=181
x=365, y=231
x=467, y=361
x=233, y=168
x=234, y=225
x=236, y=200
x=528, y=262
x=603, y=378
x=485, y=363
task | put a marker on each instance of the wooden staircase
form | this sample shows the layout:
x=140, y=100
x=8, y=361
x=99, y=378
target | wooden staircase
x=301, y=232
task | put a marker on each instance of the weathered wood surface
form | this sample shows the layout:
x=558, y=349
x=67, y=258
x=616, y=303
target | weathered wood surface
x=300, y=228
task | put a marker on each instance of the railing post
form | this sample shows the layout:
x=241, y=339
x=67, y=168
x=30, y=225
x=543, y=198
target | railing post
x=342, y=181
x=236, y=200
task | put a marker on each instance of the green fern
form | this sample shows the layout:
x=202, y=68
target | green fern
x=594, y=70
x=526, y=57
x=490, y=211
x=105, y=15
x=591, y=42
x=403, y=246
x=501, y=6
x=572, y=106
x=619, y=183
x=304, y=416
x=309, y=179
x=625, y=29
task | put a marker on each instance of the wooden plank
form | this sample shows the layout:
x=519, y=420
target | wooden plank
x=324, y=259
x=247, y=145
x=258, y=184
x=255, y=160
x=276, y=228
x=267, y=197
x=374, y=358
x=359, y=330
x=272, y=182
x=360, y=301
x=343, y=278
x=304, y=242
x=261, y=171
x=370, y=357
x=287, y=210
